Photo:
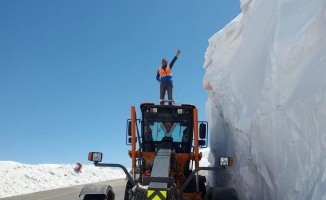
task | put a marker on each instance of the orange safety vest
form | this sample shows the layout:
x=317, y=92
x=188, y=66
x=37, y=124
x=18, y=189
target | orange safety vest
x=166, y=72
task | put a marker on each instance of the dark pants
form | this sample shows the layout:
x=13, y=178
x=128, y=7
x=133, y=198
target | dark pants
x=166, y=87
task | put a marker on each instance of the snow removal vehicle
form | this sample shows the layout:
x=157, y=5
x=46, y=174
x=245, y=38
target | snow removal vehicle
x=164, y=157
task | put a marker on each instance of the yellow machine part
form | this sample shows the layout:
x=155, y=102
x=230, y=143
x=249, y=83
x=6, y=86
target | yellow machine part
x=156, y=194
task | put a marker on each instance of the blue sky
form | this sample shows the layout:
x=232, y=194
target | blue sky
x=70, y=70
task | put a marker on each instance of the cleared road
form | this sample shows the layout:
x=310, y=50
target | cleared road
x=72, y=193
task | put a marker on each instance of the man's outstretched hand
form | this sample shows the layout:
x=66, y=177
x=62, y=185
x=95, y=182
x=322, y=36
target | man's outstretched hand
x=178, y=52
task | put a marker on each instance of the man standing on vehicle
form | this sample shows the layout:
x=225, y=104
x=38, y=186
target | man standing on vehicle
x=164, y=77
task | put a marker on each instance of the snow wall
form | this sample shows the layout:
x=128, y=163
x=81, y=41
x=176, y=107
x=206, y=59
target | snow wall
x=266, y=85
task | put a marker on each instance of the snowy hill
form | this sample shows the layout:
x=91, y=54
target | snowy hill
x=18, y=178
x=266, y=107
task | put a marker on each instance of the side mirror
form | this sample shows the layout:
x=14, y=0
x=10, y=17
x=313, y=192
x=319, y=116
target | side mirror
x=226, y=161
x=129, y=128
x=201, y=143
x=129, y=140
x=95, y=156
x=202, y=131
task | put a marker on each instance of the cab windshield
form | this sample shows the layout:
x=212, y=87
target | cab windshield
x=174, y=123
x=169, y=129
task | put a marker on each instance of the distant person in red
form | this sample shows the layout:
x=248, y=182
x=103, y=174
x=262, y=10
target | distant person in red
x=164, y=77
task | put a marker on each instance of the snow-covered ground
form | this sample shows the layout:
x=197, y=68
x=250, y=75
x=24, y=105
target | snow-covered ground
x=265, y=78
x=17, y=178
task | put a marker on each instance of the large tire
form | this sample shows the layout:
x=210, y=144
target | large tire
x=94, y=197
x=128, y=192
x=221, y=193
x=192, y=186
x=109, y=196
x=202, y=189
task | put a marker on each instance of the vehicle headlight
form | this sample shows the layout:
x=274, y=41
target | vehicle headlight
x=95, y=156
x=226, y=161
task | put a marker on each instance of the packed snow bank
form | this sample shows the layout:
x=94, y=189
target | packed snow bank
x=267, y=99
x=17, y=178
